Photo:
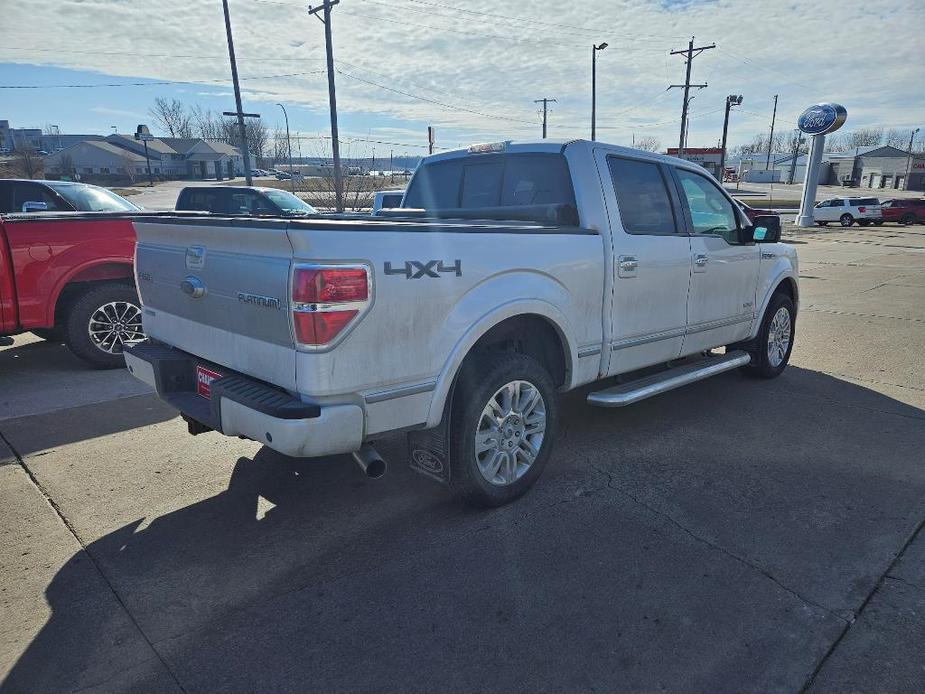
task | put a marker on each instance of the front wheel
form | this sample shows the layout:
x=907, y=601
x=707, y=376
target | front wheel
x=846, y=220
x=504, y=419
x=774, y=343
x=102, y=322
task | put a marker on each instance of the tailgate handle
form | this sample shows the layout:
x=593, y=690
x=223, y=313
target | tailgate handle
x=193, y=286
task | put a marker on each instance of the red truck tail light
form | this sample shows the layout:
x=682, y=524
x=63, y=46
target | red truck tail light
x=862, y=209
x=326, y=299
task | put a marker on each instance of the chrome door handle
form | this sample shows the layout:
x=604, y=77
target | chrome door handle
x=700, y=260
x=628, y=262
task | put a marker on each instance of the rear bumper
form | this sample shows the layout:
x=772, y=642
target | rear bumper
x=242, y=406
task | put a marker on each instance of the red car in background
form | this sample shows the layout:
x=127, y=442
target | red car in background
x=68, y=275
x=752, y=212
x=903, y=211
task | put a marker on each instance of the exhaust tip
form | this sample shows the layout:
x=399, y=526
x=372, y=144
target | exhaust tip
x=370, y=462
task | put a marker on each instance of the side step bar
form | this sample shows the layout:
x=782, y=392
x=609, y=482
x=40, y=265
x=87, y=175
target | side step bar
x=634, y=391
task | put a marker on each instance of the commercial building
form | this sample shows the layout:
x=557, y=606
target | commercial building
x=17, y=138
x=170, y=157
x=879, y=166
x=708, y=157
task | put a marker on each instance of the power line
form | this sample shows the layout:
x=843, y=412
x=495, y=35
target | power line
x=157, y=83
x=687, y=85
x=545, y=101
x=66, y=51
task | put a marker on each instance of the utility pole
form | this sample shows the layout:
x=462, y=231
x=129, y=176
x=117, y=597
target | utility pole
x=431, y=135
x=767, y=164
x=391, y=168
x=731, y=100
x=909, y=160
x=796, y=153
x=691, y=54
x=237, y=97
x=544, y=102
x=289, y=145
x=325, y=9
x=594, y=50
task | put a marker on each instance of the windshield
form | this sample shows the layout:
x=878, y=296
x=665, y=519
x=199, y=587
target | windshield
x=92, y=199
x=288, y=202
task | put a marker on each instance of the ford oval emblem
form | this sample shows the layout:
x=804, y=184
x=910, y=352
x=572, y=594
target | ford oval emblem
x=822, y=119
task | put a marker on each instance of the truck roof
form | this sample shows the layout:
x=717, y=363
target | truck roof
x=557, y=146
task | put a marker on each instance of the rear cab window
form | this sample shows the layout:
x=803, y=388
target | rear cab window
x=642, y=196
x=492, y=180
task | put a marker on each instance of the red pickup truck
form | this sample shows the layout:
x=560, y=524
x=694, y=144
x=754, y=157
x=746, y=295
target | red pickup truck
x=70, y=276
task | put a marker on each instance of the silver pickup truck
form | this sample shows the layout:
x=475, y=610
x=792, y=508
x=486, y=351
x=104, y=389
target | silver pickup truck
x=516, y=272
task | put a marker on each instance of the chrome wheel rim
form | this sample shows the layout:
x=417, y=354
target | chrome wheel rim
x=846, y=221
x=779, y=337
x=510, y=432
x=114, y=325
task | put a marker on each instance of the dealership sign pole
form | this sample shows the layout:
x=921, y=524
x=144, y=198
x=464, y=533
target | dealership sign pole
x=817, y=121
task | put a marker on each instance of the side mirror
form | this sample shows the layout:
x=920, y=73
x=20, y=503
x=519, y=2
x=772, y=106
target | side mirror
x=766, y=229
x=34, y=206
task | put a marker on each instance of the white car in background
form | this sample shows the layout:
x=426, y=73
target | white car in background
x=847, y=211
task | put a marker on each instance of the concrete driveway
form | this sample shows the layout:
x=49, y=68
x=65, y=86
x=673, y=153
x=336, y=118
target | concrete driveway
x=733, y=536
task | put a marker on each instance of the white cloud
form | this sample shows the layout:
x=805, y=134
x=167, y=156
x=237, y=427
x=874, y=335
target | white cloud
x=865, y=55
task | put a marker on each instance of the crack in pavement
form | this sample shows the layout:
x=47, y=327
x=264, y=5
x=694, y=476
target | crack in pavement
x=611, y=484
x=903, y=580
x=838, y=312
x=860, y=611
x=83, y=548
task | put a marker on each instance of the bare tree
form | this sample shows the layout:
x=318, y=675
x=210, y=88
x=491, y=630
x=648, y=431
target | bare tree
x=208, y=126
x=171, y=117
x=649, y=144
x=280, y=147
x=27, y=162
x=897, y=138
x=128, y=166
x=864, y=137
x=66, y=165
x=795, y=140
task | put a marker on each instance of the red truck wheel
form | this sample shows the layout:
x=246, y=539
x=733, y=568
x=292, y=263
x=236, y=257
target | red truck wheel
x=101, y=322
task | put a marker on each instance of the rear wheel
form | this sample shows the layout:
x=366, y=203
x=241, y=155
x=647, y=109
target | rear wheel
x=772, y=348
x=908, y=218
x=102, y=322
x=846, y=220
x=505, y=414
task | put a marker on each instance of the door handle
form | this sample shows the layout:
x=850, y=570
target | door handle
x=700, y=260
x=627, y=265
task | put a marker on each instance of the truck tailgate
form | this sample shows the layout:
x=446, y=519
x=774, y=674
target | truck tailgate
x=218, y=289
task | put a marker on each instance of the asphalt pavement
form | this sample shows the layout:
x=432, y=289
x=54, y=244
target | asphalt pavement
x=732, y=536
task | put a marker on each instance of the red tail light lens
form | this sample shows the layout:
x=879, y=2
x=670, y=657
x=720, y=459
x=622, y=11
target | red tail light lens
x=325, y=300
x=329, y=285
x=862, y=209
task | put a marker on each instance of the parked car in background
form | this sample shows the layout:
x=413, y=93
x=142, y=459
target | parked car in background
x=241, y=200
x=518, y=272
x=847, y=211
x=386, y=199
x=754, y=212
x=69, y=277
x=283, y=175
x=25, y=195
x=904, y=210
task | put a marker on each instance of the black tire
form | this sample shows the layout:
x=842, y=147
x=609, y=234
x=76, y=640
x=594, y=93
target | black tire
x=823, y=224
x=863, y=223
x=846, y=220
x=77, y=334
x=482, y=377
x=761, y=365
x=908, y=219
x=879, y=224
x=55, y=334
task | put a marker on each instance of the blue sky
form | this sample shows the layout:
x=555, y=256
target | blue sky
x=470, y=69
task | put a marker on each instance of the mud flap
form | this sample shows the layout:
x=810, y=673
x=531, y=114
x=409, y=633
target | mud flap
x=429, y=449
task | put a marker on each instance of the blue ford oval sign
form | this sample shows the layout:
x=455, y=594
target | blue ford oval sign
x=822, y=118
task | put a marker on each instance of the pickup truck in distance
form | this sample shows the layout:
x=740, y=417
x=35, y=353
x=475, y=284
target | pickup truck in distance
x=516, y=272
x=244, y=200
x=68, y=276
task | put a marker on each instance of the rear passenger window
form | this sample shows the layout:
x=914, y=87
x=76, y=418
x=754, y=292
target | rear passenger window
x=642, y=194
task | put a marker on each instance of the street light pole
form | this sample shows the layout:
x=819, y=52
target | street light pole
x=909, y=160
x=594, y=50
x=731, y=100
x=289, y=146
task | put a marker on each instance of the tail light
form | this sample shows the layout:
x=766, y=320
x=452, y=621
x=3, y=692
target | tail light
x=326, y=299
x=862, y=209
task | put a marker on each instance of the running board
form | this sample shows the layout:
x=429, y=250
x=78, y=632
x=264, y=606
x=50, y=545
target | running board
x=634, y=391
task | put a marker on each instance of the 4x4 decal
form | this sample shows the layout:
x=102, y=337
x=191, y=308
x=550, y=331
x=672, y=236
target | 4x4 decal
x=416, y=269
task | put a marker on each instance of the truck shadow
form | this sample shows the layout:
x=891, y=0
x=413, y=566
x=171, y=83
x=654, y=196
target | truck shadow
x=308, y=577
